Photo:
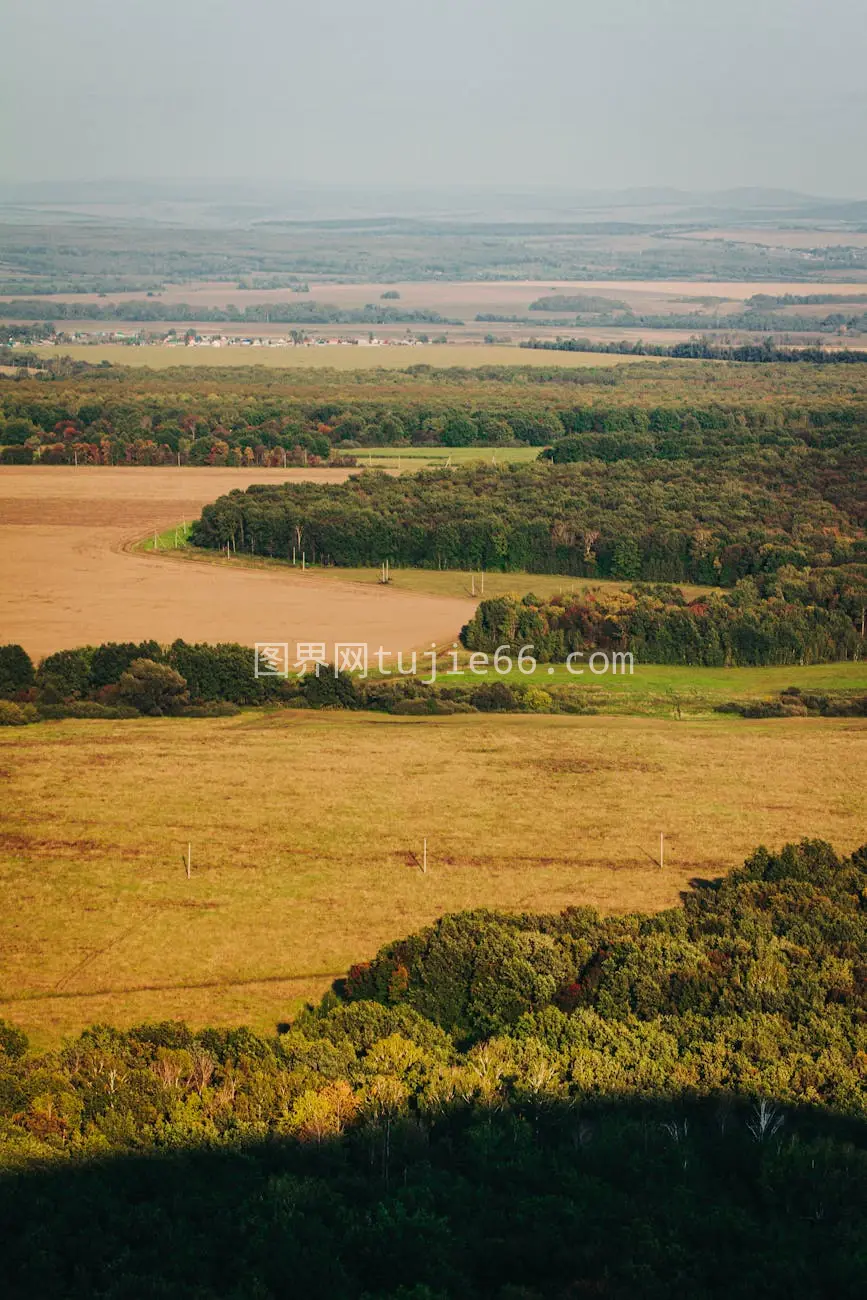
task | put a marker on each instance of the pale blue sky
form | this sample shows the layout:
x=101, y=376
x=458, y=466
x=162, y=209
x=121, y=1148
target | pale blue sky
x=400, y=92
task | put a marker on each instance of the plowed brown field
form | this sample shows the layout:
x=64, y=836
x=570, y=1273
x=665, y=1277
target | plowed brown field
x=68, y=577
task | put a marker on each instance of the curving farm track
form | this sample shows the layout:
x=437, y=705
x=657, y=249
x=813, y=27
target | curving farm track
x=68, y=576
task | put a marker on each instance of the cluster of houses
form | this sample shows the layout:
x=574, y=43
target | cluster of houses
x=196, y=340
x=278, y=341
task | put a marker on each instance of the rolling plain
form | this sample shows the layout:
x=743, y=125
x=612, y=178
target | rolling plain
x=307, y=829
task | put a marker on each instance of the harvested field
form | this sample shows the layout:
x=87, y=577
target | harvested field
x=464, y=298
x=69, y=578
x=306, y=831
x=454, y=300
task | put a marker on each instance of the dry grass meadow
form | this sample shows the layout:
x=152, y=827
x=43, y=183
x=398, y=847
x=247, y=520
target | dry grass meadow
x=307, y=829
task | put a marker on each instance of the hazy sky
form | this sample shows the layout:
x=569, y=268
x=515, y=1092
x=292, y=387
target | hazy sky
x=401, y=92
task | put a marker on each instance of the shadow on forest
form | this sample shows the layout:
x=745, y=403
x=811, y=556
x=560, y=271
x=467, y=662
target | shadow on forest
x=614, y=1198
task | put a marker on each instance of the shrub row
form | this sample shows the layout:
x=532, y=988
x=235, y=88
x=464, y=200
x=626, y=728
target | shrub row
x=795, y=703
x=125, y=680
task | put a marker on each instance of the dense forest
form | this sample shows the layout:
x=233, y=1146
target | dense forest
x=656, y=520
x=249, y=415
x=789, y=617
x=500, y=1107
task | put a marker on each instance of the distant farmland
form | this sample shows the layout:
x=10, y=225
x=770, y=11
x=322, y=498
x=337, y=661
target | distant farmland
x=465, y=298
x=346, y=357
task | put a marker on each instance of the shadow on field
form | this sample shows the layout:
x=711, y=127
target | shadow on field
x=60, y=992
x=614, y=1199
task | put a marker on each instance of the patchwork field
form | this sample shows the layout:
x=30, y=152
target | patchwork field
x=460, y=301
x=307, y=828
x=307, y=832
x=663, y=690
x=77, y=566
x=69, y=577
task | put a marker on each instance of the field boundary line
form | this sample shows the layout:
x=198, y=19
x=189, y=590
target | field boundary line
x=49, y=995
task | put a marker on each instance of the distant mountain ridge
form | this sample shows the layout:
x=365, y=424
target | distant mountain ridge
x=237, y=203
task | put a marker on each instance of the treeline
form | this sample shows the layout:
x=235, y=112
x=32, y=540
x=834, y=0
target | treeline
x=704, y=350
x=792, y=617
x=757, y=317
x=292, y=452
x=748, y=321
x=124, y=679
x=16, y=358
x=291, y=313
x=113, y=415
x=129, y=679
x=33, y=333
x=498, y=1106
x=761, y=301
x=702, y=325
x=795, y=703
x=655, y=521
x=751, y=320
x=580, y=302
x=120, y=681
